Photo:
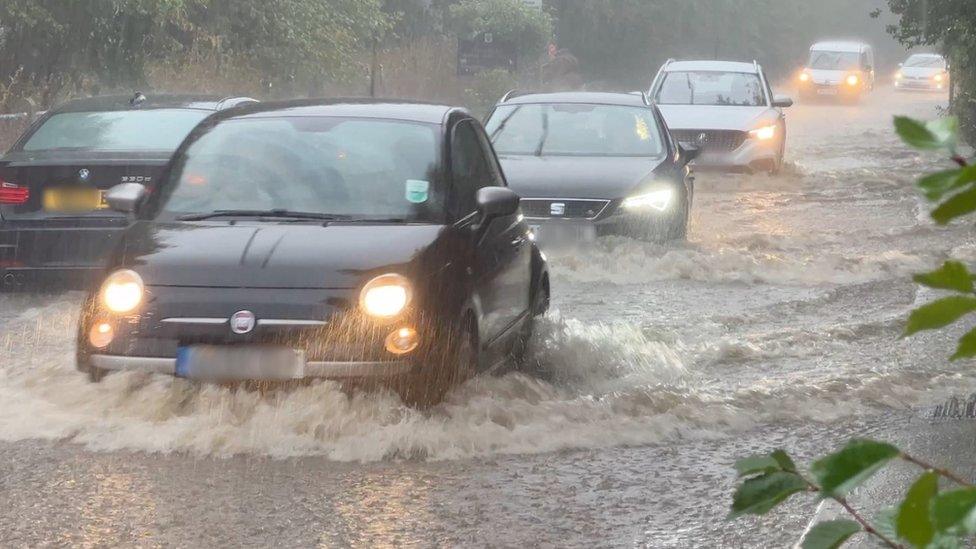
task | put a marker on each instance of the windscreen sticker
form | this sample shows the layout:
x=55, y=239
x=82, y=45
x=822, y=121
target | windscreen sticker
x=417, y=191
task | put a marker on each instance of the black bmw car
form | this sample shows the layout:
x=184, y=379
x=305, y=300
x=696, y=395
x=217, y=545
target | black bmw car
x=344, y=240
x=55, y=225
x=592, y=164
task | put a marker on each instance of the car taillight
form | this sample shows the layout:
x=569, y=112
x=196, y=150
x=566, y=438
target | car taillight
x=13, y=194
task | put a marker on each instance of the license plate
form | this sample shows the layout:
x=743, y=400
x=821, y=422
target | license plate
x=827, y=91
x=240, y=363
x=73, y=200
x=564, y=233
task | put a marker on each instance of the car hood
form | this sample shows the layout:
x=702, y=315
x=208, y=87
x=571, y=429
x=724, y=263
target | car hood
x=267, y=255
x=707, y=117
x=924, y=72
x=576, y=176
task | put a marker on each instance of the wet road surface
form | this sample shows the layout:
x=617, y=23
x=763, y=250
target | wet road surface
x=777, y=324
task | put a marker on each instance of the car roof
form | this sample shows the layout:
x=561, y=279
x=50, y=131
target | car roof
x=717, y=66
x=932, y=55
x=840, y=46
x=388, y=109
x=151, y=101
x=636, y=99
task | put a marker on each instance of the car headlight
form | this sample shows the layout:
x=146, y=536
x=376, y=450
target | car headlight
x=852, y=80
x=804, y=77
x=659, y=200
x=764, y=133
x=386, y=296
x=122, y=291
x=899, y=75
x=939, y=78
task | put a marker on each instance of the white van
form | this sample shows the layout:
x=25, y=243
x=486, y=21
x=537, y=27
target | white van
x=839, y=70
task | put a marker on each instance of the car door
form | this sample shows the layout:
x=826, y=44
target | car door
x=493, y=260
x=512, y=236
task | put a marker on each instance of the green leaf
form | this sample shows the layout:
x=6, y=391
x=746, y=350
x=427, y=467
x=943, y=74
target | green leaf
x=966, y=347
x=757, y=464
x=938, y=134
x=830, y=534
x=936, y=185
x=957, y=205
x=914, y=522
x=844, y=470
x=939, y=313
x=784, y=461
x=945, y=130
x=884, y=522
x=757, y=495
x=954, y=512
x=953, y=275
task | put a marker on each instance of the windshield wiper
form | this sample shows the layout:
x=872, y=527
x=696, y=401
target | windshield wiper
x=278, y=214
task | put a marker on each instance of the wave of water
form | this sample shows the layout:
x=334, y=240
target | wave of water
x=601, y=385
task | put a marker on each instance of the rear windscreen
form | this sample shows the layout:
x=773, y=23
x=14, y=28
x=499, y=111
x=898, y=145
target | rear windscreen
x=150, y=130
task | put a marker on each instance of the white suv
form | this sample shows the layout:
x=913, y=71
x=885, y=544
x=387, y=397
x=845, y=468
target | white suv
x=725, y=109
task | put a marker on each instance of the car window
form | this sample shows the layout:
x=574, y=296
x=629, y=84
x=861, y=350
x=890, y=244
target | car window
x=470, y=166
x=364, y=168
x=833, y=60
x=574, y=129
x=711, y=88
x=157, y=129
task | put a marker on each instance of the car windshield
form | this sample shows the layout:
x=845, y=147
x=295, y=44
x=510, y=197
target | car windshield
x=574, y=130
x=927, y=61
x=711, y=88
x=357, y=168
x=834, y=60
x=149, y=130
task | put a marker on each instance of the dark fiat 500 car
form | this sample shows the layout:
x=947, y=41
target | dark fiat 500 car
x=344, y=240
x=55, y=225
x=590, y=164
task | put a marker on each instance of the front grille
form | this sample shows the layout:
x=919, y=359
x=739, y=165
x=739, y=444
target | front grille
x=712, y=140
x=571, y=208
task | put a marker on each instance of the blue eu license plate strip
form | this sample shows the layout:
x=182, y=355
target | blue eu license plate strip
x=240, y=363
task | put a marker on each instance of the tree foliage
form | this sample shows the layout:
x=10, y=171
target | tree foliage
x=512, y=20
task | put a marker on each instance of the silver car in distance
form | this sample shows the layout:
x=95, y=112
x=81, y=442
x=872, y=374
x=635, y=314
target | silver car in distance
x=725, y=109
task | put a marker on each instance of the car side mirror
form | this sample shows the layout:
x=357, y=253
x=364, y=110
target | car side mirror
x=689, y=151
x=496, y=202
x=782, y=102
x=125, y=197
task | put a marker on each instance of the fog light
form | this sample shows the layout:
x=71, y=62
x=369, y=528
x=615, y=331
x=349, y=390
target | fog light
x=402, y=341
x=100, y=335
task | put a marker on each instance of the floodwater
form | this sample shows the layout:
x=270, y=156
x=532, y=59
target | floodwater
x=778, y=322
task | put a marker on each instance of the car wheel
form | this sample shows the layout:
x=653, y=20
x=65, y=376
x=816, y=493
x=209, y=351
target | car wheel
x=523, y=345
x=677, y=228
x=454, y=363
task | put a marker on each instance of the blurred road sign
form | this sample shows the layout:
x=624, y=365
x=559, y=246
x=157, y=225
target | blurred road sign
x=486, y=52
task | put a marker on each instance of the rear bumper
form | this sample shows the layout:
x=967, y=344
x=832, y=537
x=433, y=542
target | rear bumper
x=56, y=252
x=28, y=278
x=313, y=369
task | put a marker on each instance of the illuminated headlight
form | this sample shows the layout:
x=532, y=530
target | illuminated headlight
x=939, y=78
x=899, y=75
x=658, y=200
x=385, y=296
x=852, y=80
x=804, y=77
x=765, y=133
x=122, y=291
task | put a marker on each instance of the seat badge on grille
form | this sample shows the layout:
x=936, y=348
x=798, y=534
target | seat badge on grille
x=84, y=174
x=242, y=322
x=557, y=208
